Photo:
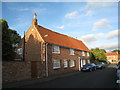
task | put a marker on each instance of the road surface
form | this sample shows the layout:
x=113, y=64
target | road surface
x=101, y=78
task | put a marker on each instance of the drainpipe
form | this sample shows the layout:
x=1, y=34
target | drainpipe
x=46, y=61
x=79, y=62
x=42, y=58
x=24, y=47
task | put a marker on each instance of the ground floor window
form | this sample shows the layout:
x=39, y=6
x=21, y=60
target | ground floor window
x=72, y=63
x=113, y=60
x=84, y=62
x=88, y=61
x=56, y=64
x=65, y=63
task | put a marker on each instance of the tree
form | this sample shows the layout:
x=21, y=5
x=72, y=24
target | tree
x=92, y=57
x=7, y=41
x=116, y=50
x=15, y=38
x=99, y=54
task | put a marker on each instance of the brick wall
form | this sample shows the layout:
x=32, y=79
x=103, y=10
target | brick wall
x=15, y=71
x=64, y=55
x=20, y=70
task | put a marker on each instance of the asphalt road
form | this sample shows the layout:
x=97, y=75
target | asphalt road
x=101, y=78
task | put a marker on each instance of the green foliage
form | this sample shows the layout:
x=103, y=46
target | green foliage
x=99, y=54
x=7, y=41
x=92, y=57
x=116, y=51
x=14, y=37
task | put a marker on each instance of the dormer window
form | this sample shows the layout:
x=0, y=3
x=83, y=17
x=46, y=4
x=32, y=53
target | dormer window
x=71, y=51
x=56, y=49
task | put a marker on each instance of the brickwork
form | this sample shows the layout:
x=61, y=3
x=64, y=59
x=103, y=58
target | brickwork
x=64, y=55
x=36, y=57
x=15, y=71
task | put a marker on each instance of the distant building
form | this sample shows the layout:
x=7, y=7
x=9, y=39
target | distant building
x=113, y=57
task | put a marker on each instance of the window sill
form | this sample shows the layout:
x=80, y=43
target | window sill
x=72, y=66
x=56, y=52
x=72, y=54
x=56, y=68
x=65, y=67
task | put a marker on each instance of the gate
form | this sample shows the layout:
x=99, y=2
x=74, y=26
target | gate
x=36, y=71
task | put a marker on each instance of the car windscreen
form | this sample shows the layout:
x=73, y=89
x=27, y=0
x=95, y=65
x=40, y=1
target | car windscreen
x=88, y=65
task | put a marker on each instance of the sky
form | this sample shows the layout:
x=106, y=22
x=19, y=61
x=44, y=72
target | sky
x=94, y=23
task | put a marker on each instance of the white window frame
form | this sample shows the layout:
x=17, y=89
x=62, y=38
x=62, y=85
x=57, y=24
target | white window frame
x=65, y=63
x=113, y=57
x=19, y=51
x=83, y=53
x=56, y=49
x=56, y=64
x=71, y=51
x=72, y=63
x=88, y=61
x=84, y=61
x=88, y=54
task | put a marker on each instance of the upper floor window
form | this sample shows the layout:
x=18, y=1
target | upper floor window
x=55, y=49
x=19, y=51
x=56, y=64
x=111, y=57
x=88, y=54
x=71, y=51
x=83, y=53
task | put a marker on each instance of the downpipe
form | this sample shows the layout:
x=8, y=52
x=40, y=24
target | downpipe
x=46, y=61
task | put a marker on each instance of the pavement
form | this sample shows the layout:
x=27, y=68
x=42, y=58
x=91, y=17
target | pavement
x=22, y=83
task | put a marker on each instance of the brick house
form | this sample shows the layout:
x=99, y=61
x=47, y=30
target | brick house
x=113, y=57
x=47, y=53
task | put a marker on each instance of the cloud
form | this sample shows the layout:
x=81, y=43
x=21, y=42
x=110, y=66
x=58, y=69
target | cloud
x=101, y=24
x=113, y=34
x=110, y=46
x=60, y=27
x=90, y=38
x=89, y=13
x=107, y=46
x=98, y=4
x=71, y=15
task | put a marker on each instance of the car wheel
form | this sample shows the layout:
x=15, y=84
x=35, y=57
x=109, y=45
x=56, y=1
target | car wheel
x=91, y=70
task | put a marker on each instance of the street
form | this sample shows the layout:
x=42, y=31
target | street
x=101, y=78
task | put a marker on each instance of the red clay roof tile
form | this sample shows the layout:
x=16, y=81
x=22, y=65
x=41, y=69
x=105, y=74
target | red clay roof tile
x=60, y=39
x=113, y=53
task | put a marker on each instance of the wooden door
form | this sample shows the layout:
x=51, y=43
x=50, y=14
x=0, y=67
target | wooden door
x=34, y=69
